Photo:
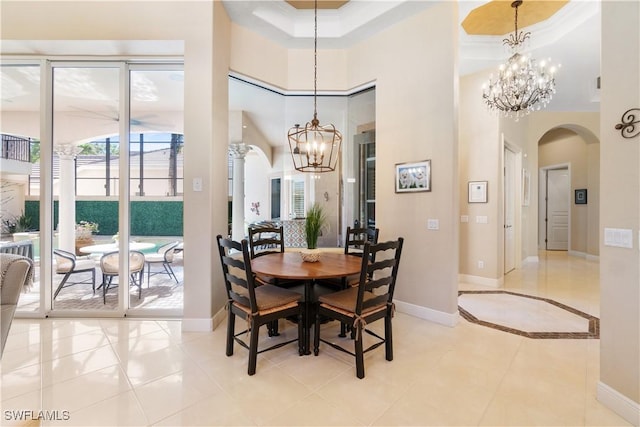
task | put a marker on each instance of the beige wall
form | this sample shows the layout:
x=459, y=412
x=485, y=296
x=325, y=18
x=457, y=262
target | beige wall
x=563, y=146
x=416, y=119
x=480, y=153
x=619, y=385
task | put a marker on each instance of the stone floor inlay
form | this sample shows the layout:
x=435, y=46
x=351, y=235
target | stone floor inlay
x=527, y=315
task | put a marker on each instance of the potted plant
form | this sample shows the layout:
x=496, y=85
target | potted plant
x=18, y=224
x=314, y=221
x=84, y=234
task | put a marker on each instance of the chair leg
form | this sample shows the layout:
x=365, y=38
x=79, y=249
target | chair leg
x=231, y=330
x=300, y=332
x=148, y=274
x=316, y=335
x=253, y=348
x=170, y=272
x=359, y=352
x=106, y=282
x=343, y=330
x=388, y=338
x=64, y=280
x=93, y=280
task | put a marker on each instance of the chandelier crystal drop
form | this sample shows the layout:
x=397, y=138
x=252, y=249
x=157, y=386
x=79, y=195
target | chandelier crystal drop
x=315, y=148
x=523, y=85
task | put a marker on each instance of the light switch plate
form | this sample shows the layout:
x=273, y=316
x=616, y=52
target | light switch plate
x=482, y=219
x=433, y=224
x=464, y=218
x=618, y=237
x=197, y=184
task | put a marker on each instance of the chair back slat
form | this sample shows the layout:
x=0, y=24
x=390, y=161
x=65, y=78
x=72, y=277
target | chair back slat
x=237, y=273
x=356, y=238
x=265, y=240
x=378, y=274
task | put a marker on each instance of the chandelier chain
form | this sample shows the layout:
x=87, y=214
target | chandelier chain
x=315, y=59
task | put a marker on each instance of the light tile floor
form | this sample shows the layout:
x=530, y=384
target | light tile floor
x=148, y=372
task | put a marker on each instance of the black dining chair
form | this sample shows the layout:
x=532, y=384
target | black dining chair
x=355, y=238
x=366, y=303
x=258, y=305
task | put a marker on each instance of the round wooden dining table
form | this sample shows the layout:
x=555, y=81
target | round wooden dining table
x=289, y=265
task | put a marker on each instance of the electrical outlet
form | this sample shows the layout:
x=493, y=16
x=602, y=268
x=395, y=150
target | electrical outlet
x=433, y=224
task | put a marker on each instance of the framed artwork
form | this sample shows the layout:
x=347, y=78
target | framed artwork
x=478, y=191
x=413, y=177
x=581, y=196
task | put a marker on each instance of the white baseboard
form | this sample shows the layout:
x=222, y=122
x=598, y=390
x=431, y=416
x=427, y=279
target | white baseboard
x=532, y=258
x=197, y=325
x=446, y=319
x=219, y=317
x=577, y=254
x=479, y=280
x=618, y=403
x=593, y=257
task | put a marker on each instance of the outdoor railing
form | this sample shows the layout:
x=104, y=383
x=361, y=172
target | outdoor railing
x=16, y=148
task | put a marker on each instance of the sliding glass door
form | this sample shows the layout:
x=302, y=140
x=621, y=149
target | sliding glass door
x=112, y=184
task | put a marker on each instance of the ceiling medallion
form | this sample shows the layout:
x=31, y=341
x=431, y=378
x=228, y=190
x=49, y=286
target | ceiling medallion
x=522, y=85
x=315, y=148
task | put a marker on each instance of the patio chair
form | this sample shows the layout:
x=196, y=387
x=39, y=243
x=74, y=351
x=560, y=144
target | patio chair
x=164, y=256
x=109, y=264
x=68, y=263
x=362, y=305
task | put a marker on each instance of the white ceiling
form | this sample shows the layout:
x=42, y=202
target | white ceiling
x=571, y=37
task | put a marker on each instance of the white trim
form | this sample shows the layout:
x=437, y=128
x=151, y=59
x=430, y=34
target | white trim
x=618, y=403
x=446, y=319
x=479, y=280
x=584, y=255
x=219, y=317
x=532, y=258
x=286, y=92
x=197, y=325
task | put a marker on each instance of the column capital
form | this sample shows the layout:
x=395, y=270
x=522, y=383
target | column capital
x=67, y=150
x=239, y=150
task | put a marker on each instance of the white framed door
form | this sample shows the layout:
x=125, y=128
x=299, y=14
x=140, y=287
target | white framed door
x=557, y=223
x=509, y=210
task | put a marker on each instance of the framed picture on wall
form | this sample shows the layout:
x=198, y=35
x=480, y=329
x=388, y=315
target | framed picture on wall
x=478, y=191
x=581, y=197
x=413, y=177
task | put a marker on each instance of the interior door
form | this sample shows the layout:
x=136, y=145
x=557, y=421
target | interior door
x=557, y=209
x=509, y=210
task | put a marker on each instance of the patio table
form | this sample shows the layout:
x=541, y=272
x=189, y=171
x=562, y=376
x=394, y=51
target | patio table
x=110, y=247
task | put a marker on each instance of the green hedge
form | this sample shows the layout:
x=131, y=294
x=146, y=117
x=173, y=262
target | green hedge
x=151, y=218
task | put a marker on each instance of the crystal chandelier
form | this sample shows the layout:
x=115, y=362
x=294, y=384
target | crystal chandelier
x=314, y=147
x=522, y=85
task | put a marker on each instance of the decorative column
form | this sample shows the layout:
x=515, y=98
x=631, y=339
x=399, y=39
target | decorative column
x=67, y=153
x=238, y=151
